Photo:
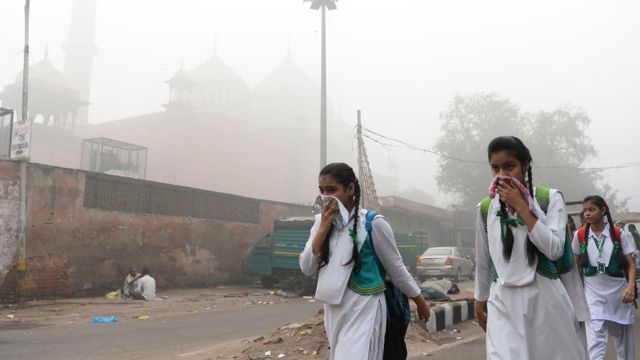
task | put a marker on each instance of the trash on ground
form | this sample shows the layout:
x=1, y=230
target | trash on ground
x=143, y=317
x=286, y=294
x=10, y=316
x=434, y=294
x=442, y=285
x=272, y=341
x=104, y=319
x=113, y=295
x=454, y=289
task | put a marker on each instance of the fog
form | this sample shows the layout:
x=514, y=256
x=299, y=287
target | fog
x=400, y=62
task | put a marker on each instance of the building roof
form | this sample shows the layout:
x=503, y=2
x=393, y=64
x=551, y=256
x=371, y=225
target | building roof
x=413, y=206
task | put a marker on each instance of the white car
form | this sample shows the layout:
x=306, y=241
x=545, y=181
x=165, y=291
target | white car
x=444, y=262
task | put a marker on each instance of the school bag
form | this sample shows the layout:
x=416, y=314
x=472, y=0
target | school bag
x=613, y=269
x=398, y=309
x=546, y=267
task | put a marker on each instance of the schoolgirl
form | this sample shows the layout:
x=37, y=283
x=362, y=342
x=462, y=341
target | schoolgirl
x=350, y=282
x=524, y=277
x=604, y=252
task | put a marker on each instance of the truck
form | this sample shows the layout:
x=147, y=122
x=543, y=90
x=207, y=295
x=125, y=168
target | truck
x=275, y=256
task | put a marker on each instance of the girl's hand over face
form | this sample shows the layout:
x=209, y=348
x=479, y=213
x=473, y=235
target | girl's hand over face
x=512, y=196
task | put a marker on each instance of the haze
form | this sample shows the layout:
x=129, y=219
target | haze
x=400, y=62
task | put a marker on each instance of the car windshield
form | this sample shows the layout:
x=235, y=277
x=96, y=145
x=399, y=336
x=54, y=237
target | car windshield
x=437, y=251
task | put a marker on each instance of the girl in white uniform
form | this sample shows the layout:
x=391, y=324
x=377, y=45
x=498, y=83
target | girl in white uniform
x=604, y=252
x=529, y=314
x=354, y=314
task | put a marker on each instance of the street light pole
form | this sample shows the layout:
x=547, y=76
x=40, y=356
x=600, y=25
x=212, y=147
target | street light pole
x=323, y=93
x=323, y=5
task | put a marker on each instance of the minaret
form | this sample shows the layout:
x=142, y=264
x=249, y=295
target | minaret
x=80, y=50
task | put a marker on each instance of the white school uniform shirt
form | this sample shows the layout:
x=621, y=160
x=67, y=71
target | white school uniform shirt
x=604, y=292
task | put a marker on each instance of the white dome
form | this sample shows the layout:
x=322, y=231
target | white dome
x=217, y=88
x=286, y=97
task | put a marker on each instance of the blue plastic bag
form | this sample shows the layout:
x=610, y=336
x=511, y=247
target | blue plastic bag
x=104, y=319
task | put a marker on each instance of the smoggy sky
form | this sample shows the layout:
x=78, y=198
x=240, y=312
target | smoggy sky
x=400, y=62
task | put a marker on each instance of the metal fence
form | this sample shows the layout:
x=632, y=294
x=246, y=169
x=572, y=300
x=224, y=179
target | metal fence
x=114, y=157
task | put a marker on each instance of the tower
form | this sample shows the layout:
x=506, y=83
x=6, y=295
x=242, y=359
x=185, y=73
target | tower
x=79, y=52
x=180, y=86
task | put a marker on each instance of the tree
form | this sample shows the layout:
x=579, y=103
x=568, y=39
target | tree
x=558, y=142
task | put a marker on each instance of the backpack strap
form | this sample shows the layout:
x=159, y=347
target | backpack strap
x=368, y=225
x=371, y=214
x=543, y=196
x=582, y=235
x=484, y=210
x=618, y=232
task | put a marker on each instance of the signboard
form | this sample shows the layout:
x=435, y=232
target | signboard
x=20, y=138
x=6, y=123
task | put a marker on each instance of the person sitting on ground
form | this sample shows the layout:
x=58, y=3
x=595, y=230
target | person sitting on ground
x=145, y=287
x=129, y=282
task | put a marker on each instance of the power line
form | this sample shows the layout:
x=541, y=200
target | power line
x=370, y=134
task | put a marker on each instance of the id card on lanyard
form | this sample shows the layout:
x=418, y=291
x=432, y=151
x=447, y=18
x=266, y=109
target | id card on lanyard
x=600, y=245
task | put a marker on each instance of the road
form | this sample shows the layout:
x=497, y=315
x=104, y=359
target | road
x=164, y=338
x=475, y=349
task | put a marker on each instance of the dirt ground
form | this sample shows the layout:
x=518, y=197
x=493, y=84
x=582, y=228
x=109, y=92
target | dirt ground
x=305, y=340
x=308, y=341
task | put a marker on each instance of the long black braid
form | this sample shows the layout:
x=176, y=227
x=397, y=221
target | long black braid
x=355, y=257
x=600, y=203
x=516, y=148
x=345, y=176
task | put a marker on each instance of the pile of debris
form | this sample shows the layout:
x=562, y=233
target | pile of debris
x=306, y=340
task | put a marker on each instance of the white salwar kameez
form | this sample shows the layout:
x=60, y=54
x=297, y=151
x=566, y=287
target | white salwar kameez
x=609, y=316
x=530, y=317
x=355, y=324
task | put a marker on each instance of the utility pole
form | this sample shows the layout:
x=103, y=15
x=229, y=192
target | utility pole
x=369, y=197
x=24, y=116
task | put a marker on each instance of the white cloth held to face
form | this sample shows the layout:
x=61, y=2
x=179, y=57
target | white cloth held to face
x=344, y=213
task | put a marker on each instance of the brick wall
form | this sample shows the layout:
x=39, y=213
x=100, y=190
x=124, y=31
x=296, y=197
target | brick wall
x=9, y=226
x=85, y=230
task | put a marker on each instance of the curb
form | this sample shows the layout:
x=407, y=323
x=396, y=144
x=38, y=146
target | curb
x=446, y=315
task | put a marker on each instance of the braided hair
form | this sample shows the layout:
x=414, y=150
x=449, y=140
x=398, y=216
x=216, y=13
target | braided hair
x=600, y=203
x=515, y=147
x=345, y=176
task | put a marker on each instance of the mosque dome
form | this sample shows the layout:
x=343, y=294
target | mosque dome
x=44, y=71
x=217, y=88
x=286, y=97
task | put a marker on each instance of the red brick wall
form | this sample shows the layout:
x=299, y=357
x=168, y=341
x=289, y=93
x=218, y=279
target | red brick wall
x=74, y=249
x=9, y=227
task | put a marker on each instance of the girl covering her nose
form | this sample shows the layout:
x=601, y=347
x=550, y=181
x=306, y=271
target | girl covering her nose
x=525, y=281
x=350, y=281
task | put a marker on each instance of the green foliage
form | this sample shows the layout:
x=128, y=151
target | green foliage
x=558, y=142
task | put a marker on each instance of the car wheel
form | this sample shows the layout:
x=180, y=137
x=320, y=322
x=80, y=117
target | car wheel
x=458, y=275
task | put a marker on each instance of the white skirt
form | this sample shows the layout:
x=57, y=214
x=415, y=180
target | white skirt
x=533, y=322
x=356, y=327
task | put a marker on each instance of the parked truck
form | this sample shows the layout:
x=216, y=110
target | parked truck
x=275, y=256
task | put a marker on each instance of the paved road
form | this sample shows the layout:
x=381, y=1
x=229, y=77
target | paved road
x=475, y=350
x=127, y=340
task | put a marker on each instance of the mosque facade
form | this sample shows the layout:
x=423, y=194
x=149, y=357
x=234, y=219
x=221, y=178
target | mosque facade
x=214, y=132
